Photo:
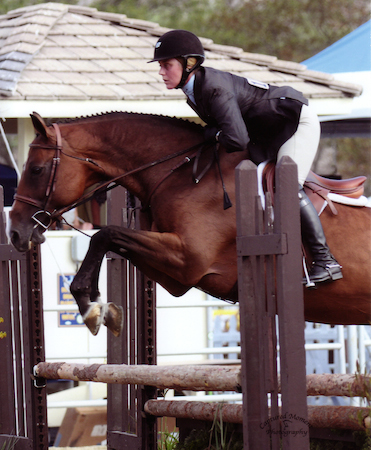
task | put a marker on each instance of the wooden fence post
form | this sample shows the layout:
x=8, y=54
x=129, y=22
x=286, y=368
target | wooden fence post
x=23, y=412
x=290, y=308
x=251, y=298
x=263, y=251
x=127, y=428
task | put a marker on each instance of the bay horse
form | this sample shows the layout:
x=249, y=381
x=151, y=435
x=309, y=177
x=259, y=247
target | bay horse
x=186, y=239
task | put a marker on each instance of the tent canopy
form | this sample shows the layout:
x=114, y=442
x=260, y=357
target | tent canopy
x=352, y=53
x=348, y=59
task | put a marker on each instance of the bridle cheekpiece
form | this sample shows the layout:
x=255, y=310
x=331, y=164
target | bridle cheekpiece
x=50, y=186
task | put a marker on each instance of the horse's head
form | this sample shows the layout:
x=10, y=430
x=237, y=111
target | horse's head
x=45, y=186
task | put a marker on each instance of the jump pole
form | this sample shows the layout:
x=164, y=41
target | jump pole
x=339, y=417
x=193, y=377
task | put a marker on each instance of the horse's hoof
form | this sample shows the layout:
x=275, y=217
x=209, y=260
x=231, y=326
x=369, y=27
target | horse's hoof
x=93, y=318
x=113, y=318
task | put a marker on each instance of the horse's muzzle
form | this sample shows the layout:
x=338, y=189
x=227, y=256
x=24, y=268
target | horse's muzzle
x=22, y=239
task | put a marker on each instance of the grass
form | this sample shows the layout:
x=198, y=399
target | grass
x=10, y=444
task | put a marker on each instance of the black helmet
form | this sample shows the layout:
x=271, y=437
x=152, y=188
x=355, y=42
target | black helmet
x=180, y=44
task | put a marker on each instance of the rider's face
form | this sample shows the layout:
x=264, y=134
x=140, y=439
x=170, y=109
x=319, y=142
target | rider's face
x=171, y=71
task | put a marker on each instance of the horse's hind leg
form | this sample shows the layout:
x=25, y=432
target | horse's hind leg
x=84, y=289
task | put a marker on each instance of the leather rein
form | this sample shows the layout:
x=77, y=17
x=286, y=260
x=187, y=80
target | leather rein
x=43, y=213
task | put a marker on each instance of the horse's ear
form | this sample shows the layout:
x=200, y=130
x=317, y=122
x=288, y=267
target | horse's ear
x=39, y=124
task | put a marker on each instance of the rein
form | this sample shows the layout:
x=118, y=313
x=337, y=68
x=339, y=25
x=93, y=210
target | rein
x=104, y=186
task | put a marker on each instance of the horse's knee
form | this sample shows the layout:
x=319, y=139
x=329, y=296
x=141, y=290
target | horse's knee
x=99, y=239
x=78, y=287
x=103, y=241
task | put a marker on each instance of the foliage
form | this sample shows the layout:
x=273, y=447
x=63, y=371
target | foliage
x=354, y=154
x=293, y=30
x=10, y=444
x=363, y=379
x=289, y=29
x=361, y=442
x=206, y=440
x=168, y=441
x=221, y=436
x=353, y=158
x=11, y=5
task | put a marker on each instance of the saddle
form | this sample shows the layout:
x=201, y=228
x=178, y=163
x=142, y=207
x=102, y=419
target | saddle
x=318, y=188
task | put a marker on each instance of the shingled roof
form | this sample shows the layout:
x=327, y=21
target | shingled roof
x=61, y=52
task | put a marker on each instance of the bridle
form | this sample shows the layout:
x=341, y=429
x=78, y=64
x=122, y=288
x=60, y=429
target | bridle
x=50, y=186
x=45, y=218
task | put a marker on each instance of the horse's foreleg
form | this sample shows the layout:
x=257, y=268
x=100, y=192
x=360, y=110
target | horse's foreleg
x=158, y=255
x=141, y=248
x=163, y=254
x=84, y=289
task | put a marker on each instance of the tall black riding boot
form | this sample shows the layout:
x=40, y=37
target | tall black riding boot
x=324, y=265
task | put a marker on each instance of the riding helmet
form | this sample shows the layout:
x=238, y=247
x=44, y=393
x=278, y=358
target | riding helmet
x=180, y=44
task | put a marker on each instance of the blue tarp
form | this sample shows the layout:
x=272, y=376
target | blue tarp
x=352, y=53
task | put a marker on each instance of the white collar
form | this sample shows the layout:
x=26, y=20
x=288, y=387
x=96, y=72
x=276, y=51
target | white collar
x=188, y=89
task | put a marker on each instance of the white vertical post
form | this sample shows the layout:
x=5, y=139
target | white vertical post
x=352, y=348
x=342, y=358
x=361, y=348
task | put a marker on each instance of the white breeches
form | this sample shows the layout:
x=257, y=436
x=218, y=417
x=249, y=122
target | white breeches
x=302, y=146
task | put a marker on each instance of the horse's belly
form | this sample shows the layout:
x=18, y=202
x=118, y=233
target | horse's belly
x=220, y=286
x=331, y=303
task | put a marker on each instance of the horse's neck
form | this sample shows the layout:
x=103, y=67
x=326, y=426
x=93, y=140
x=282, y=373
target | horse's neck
x=122, y=146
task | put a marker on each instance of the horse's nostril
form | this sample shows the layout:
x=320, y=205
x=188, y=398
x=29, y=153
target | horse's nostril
x=15, y=239
x=14, y=236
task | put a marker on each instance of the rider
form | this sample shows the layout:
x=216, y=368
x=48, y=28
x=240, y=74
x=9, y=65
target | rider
x=241, y=113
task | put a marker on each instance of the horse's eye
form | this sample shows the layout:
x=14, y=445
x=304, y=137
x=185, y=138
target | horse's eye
x=36, y=170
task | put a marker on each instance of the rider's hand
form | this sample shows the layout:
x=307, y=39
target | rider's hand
x=211, y=134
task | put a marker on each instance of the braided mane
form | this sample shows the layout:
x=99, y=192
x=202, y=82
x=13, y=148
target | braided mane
x=131, y=115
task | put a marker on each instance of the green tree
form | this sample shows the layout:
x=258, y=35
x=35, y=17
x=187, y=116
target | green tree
x=289, y=29
x=354, y=158
x=11, y=5
x=293, y=30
